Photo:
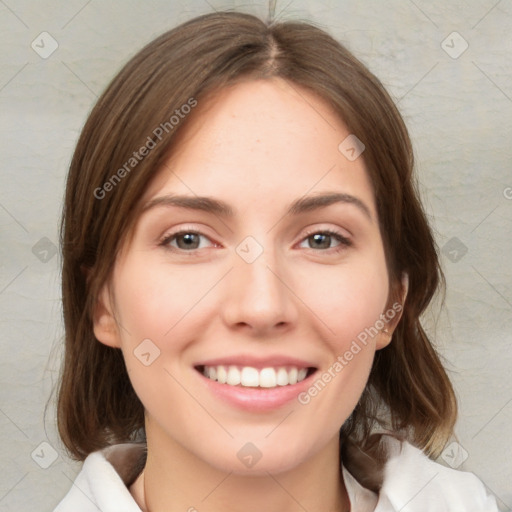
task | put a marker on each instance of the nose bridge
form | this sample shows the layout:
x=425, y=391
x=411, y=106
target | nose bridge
x=257, y=295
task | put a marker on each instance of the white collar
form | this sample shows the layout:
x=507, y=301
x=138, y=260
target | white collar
x=412, y=482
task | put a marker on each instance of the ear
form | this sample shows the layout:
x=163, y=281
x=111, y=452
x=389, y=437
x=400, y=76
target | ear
x=392, y=315
x=104, y=322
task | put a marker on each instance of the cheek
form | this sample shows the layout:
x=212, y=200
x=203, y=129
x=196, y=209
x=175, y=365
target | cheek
x=348, y=300
x=348, y=306
x=154, y=304
x=155, y=299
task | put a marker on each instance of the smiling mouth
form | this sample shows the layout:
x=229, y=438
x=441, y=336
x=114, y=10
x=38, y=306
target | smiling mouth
x=250, y=377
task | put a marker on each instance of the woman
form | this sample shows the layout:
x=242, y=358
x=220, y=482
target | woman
x=245, y=261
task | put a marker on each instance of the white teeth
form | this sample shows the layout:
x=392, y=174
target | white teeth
x=233, y=376
x=282, y=377
x=268, y=378
x=248, y=376
x=222, y=374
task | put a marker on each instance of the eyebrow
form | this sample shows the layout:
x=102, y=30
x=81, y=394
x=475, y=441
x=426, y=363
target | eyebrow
x=217, y=207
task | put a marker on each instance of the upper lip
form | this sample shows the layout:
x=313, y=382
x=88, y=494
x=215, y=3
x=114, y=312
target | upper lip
x=257, y=362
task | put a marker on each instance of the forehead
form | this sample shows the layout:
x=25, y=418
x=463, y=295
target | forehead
x=264, y=139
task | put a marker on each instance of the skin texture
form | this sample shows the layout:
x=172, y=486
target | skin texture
x=259, y=146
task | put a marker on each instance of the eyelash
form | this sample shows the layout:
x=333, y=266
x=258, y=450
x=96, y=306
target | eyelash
x=344, y=242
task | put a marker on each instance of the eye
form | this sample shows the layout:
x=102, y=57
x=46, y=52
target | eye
x=323, y=240
x=185, y=241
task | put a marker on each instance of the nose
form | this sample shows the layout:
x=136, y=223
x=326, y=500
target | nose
x=259, y=298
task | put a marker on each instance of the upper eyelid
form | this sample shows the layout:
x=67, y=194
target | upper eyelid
x=182, y=231
x=334, y=231
x=309, y=232
x=343, y=239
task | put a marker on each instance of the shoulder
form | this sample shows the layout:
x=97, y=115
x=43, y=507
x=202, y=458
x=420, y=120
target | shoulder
x=104, y=479
x=410, y=481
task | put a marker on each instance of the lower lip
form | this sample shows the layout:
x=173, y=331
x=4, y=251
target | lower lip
x=256, y=399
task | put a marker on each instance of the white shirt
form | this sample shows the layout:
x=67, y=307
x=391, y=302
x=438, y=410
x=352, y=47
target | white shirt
x=412, y=483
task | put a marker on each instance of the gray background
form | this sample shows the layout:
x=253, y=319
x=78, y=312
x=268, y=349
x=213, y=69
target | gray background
x=458, y=107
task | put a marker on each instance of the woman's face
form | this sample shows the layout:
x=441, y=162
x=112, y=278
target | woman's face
x=257, y=259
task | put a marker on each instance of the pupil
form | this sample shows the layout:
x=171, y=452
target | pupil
x=319, y=238
x=188, y=240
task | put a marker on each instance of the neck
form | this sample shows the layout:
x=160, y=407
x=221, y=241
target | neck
x=175, y=479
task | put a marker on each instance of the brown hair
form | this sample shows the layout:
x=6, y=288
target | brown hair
x=97, y=405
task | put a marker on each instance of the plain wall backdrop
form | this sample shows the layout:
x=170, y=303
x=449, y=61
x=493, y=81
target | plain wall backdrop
x=448, y=66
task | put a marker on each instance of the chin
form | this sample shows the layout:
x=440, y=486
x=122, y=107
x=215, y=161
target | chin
x=260, y=458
